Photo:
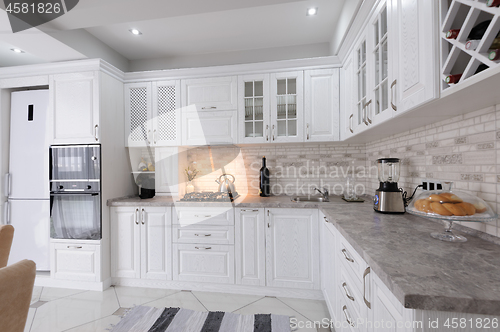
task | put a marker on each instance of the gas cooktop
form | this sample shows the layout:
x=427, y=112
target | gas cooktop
x=209, y=196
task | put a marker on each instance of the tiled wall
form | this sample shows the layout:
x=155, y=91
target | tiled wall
x=462, y=149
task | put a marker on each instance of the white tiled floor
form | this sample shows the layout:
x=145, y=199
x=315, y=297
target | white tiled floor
x=58, y=309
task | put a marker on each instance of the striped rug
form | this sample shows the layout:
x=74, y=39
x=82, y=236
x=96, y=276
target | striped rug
x=148, y=319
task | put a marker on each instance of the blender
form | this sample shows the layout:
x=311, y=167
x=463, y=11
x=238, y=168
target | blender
x=388, y=197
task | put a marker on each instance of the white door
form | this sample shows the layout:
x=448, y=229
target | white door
x=166, y=170
x=417, y=73
x=75, y=107
x=287, y=106
x=347, y=96
x=292, y=248
x=138, y=114
x=31, y=221
x=321, y=99
x=166, y=112
x=210, y=94
x=380, y=45
x=156, y=243
x=253, y=108
x=125, y=242
x=250, y=247
x=207, y=128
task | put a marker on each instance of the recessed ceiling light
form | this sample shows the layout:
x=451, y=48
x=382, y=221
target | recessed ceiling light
x=135, y=32
x=312, y=11
x=16, y=50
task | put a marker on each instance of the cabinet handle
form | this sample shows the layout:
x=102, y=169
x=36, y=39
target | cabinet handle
x=350, y=123
x=344, y=286
x=267, y=133
x=326, y=220
x=367, y=271
x=307, y=131
x=366, y=107
x=250, y=210
x=206, y=216
x=95, y=133
x=346, y=314
x=392, y=96
x=209, y=108
x=347, y=257
x=143, y=219
x=7, y=213
x=203, y=235
x=136, y=216
x=154, y=135
x=273, y=132
x=268, y=225
x=149, y=134
x=75, y=247
x=203, y=248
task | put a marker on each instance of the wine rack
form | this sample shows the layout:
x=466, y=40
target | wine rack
x=456, y=58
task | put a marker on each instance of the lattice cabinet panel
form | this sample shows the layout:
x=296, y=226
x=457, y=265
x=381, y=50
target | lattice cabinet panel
x=470, y=39
x=166, y=113
x=138, y=113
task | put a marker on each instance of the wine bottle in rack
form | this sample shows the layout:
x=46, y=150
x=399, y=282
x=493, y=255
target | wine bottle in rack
x=492, y=3
x=480, y=68
x=265, y=188
x=494, y=55
x=475, y=35
x=452, y=34
x=452, y=79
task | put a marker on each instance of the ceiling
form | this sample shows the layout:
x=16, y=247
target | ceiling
x=178, y=33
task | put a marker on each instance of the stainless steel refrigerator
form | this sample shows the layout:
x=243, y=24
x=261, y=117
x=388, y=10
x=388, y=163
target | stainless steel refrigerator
x=27, y=183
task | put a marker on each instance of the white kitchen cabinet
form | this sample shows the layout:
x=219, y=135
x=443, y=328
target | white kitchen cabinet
x=209, y=128
x=250, y=247
x=74, y=99
x=292, y=248
x=347, y=94
x=328, y=264
x=76, y=261
x=141, y=242
x=321, y=105
x=254, y=109
x=152, y=114
x=361, y=72
x=166, y=170
x=416, y=38
x=287, y=107
x=209, y=94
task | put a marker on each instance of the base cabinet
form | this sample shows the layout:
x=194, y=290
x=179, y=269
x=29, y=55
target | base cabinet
x=141, y=242
x=292, y=248
x=76, y=261
x=328, y=264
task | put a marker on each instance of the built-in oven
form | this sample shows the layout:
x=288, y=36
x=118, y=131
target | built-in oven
x=75, y=192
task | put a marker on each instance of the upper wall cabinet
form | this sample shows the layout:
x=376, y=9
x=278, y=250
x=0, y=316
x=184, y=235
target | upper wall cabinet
x=209, y=94
x=321, y=103
x=416, y=39
x=75, y=107
x=347, y=93
x=253, y=107
x=287, y=107
x=152, y=114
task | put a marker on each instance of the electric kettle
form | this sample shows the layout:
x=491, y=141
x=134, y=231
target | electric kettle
x=225, y=185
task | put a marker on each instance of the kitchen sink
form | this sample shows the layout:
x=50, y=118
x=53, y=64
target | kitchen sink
x=318, y=199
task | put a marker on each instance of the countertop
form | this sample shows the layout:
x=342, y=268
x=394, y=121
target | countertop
x=422, y=272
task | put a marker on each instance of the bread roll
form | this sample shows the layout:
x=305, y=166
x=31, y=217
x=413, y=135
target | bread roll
x=450, y=198
x=456, y=209
x=468, y=207
x=440, y=209
x=436, y=198
x=480, y=207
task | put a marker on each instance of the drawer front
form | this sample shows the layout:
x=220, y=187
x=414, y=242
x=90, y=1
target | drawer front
x=348, y=317
x=349, y=290
x=79, y=262
x=187, y=216
x=204, y=263
x=351, y=260
x=203, y=234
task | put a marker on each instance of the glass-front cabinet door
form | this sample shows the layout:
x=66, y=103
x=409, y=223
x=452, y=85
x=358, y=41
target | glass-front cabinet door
x=380, y=109
x=253, y=100
x=361, y=82
x=287, y=107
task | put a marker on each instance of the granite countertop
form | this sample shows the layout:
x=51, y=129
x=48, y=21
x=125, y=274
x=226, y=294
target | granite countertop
x=422, y=272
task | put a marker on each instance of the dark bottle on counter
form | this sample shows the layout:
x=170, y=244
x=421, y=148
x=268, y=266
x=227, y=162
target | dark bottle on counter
x=265, y=190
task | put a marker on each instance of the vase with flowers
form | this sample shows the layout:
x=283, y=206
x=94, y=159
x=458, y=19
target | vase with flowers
x=191, y=175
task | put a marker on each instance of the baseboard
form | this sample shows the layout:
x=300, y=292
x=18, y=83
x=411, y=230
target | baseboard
x=45, y=281
x=310, y=294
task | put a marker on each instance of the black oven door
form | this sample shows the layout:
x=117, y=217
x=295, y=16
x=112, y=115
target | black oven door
x=75, y=216
x=75, y=162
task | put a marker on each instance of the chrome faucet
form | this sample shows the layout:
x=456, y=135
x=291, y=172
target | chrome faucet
x=325, y=193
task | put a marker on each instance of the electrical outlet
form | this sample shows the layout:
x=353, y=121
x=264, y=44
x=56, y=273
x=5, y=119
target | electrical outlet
x=429, y=184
